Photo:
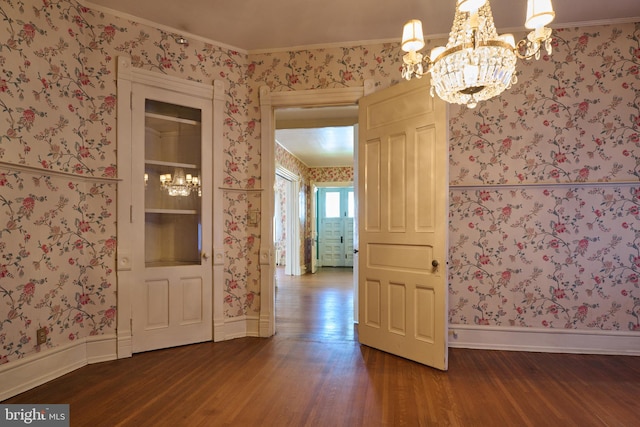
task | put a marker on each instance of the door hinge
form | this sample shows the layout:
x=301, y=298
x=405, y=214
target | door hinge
x=131, y=214
x=131, y=326
x=131, y=101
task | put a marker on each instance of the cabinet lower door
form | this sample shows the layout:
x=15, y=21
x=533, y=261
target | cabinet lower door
x=175, y=309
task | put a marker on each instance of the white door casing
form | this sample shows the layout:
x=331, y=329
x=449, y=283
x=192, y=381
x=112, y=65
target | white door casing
x=403, y=220
x=269, y=101
x=205, y=284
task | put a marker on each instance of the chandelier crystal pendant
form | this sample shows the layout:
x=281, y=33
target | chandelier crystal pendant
x=180, y=184
x=477, y=63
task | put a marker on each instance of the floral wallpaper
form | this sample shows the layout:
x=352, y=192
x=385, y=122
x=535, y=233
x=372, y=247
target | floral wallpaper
x=544, y=178
x=280, y=228
x=57, y=148
x=557, y=248
x=335, y=174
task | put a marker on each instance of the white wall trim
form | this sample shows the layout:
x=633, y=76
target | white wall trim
x=39, y=368
x=544, y=340
x=240, y=327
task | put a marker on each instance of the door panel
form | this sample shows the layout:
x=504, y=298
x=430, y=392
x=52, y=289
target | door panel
x=403, y=181
x=336, y=233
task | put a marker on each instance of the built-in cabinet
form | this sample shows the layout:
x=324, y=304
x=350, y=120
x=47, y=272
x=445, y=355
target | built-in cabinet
x=169, y=268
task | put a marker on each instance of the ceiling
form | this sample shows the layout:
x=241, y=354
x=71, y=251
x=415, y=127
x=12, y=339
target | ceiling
x=319, y=137
x=274, y=24
x=258, y=25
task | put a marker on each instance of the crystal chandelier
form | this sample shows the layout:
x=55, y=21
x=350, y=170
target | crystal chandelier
x=477, y=63
x=180, y=184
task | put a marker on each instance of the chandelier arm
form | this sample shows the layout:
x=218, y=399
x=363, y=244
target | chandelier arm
x=527, y=47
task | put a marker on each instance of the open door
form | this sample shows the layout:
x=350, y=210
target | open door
x=403, y=221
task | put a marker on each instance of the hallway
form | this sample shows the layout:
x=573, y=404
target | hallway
x=315, y=306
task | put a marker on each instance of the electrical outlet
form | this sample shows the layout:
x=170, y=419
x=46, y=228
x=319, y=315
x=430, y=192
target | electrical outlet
x=41, y=336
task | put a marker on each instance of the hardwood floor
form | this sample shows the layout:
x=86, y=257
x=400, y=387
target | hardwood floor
x=313, y=373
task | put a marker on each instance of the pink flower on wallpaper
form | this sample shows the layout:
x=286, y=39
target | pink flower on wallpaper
x=110, y=171
x=83, y=298
x=110, y=245
x=28, y=291
x=28, y=204
x=583, y=246
x=84, y=151
x=110, y=314
x=582, y=312
x=560, y=92
x=561, y=157
x=28, y=118
x=28, y=32
x=84, y=226
x=108, y=33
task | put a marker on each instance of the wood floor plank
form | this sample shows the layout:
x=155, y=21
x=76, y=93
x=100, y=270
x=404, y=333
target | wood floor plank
x=314, y=373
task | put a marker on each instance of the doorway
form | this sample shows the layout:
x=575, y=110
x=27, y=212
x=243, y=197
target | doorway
x=269, y=102
x=317, y=144
x=335, y=220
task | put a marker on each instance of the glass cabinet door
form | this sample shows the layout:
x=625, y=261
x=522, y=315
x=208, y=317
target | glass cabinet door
x=172, y=195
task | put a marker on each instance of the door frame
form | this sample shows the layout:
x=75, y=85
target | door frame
x=269, y=102
x=292, y=221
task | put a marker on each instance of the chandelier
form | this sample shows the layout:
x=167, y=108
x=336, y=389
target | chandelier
x=180, y=184
x=477, y=63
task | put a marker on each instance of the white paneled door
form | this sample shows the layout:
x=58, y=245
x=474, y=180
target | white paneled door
x=172, y=217
x=336, y=209
x=403, y=209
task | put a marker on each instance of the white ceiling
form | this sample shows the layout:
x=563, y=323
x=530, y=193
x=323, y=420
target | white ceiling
x=256, y=25
x=273, y=24
x=319, y=137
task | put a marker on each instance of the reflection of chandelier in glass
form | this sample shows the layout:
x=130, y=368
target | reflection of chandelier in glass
x=180, y=184
x=477, y=63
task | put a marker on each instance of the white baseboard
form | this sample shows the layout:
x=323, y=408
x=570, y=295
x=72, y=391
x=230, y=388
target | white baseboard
x=36, y=369
x=125, y=344
x=544, y=340
x=241, y=326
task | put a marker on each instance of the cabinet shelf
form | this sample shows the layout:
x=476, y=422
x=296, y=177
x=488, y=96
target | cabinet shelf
x=162, y=123
x=172, y=211
x=170, y=164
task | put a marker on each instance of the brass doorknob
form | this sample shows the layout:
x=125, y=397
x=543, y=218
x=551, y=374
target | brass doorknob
x=435, y=263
